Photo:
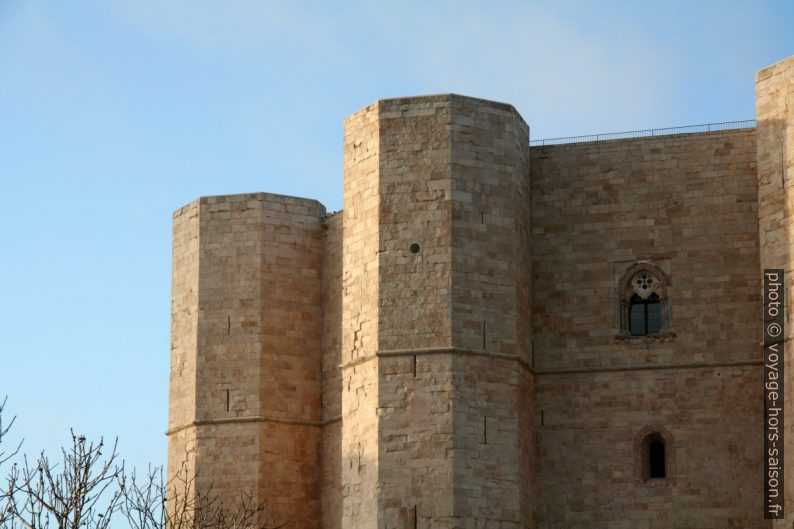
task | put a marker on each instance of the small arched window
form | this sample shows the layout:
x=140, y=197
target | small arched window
x=654, y=457
x=644, y=308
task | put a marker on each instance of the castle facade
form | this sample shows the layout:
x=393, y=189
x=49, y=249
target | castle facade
x=491, y=335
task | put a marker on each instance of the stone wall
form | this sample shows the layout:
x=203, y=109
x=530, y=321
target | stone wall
x=589, y=439
x=451, y=349
x=436, y=196
x=331, y=454
x=774, y=99
x=359, y=339
x=415, y=428
x=251, y=362
x=184, y=319
x=490, y=312
x=688, y=204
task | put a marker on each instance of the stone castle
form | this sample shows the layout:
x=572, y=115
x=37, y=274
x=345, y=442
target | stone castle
x=491, y=334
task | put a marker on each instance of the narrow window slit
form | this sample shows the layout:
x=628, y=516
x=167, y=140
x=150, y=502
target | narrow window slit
x=654, y=456
x=228, y=325
x=541, y=417
x=483, y=334
x=656, y=459
x=414, y=366
x=227, y=399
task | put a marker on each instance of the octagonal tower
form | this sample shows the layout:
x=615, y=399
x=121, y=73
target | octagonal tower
x=436, y=399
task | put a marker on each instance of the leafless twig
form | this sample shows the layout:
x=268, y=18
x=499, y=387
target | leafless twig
x=79, y=494
x=6, y=492
x=150, y=503
x=4, y=428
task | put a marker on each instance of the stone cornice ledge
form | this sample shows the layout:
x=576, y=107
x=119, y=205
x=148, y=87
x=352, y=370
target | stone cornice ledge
x=551, y=371
x=458, y=350
x=254, y=418
x=432, y=351
x=644, y=367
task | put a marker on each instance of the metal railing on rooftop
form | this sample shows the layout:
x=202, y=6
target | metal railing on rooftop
x=708, y=127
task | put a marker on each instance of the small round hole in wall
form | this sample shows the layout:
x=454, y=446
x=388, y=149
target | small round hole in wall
x=415, y=248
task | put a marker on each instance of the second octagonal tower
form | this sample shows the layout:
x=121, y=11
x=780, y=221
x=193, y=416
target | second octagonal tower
x=436, y=318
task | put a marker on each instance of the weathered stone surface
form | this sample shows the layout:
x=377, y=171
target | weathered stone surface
x=774, y=87
x=246, y=356
x=451, y=350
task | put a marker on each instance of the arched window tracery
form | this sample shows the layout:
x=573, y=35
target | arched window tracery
x=644, y=301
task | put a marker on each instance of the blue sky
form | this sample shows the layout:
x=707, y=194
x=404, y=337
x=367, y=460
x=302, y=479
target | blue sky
x=115, y=113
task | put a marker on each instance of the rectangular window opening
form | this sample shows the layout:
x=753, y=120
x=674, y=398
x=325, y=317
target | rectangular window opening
x=654, y=317
x=637, y=319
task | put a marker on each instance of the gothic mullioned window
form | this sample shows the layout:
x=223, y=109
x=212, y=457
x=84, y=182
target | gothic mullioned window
x=644, y=303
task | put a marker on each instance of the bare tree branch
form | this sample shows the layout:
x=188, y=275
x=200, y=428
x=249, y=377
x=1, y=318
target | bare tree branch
x=4, y=428
x=80, y=493
x=88, y=486
x=7, y=491
x=150, y=503
x=143, y=499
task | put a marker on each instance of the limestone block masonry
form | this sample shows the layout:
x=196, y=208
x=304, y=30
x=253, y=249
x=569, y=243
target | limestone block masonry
x=452, y=351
